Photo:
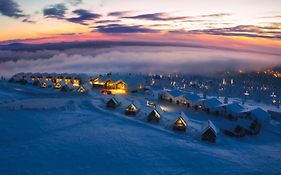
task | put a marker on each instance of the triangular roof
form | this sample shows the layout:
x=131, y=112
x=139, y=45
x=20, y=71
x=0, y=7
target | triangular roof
x=156, y=113
x=120, y=81
x=208, y=125
x=115, y=100
x=182, y=115
x=182, y=118
x=81, y=88
x=132, y=106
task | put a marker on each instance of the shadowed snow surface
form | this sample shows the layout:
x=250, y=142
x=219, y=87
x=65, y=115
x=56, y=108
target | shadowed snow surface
x=83, y=137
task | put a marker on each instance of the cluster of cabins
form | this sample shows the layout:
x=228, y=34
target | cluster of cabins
x=155, y=115
x=242, y=121
x=72, y=82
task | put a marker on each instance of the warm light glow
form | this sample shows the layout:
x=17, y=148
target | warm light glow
x=67, y=80
x=57, y=85
x=48, y=78
x=43, y=85
x=76, y=83
x=131, y=108
x=117, y=91
x=180, y=122
x=166, y=108
x=121, y=85
x=58, y=79
x=81, y=89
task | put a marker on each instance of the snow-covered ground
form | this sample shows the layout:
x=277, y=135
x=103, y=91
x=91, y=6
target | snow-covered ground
x=43, y=131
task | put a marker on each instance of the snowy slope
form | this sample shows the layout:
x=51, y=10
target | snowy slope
x=79, y=135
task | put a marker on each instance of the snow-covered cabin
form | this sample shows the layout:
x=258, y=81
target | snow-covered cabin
x=132, y=109
x=155, y=115
x=96, y=82
x=58, y=79
x=120, y=84
x=209, y=132
x=76, y=81
x=57, y=85
x=190, y=99
x=175, y=96
x=109, y=84
x=181, y=123
x=210, y=105
x=258, y=114
x=113, y=102
x=46, y=84
x=67, y=80
x=48, y=77
x=232, y=110
x=81, y=89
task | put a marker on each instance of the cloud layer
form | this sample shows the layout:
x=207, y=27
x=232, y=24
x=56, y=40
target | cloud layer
x=11, y=9
x=55, y=11
x=83, y=15
x=271, y=31
x=139, y=59
x=118, y=28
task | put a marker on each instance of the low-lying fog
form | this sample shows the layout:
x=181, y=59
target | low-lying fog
x=135, y=59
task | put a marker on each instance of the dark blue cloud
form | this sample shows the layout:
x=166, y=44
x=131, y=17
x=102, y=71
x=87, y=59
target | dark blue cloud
x=157, y=17
x=118, y=13
x=11, y=9
x=55, y=11
x=83, y=15
x=244, y=30
x=167, y=17
x=117, y=28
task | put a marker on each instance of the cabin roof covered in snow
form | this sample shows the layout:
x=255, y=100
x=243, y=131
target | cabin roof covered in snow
x=208, y=124
x=182, y=114
x=234, y=107
x=136, y=103
x=211, y=102
x=117, y=99
x=114, y=100
x=175, y=93
x=192, y=97
x=260, y=114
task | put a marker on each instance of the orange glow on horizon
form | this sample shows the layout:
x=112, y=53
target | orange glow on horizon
x=232, y=42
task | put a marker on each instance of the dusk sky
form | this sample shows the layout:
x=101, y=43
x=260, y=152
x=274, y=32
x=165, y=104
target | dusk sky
x=214, y=22
x=231, y=34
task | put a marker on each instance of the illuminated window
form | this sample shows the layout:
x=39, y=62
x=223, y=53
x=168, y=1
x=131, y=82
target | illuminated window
x=76, y=82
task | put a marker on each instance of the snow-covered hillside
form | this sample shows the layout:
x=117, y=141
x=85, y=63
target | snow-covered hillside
x=43, y=131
